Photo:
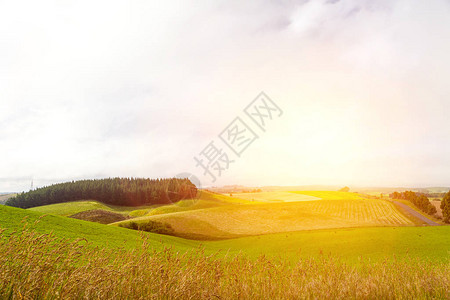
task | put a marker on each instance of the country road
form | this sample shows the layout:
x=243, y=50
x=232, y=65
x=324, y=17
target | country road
x=416, y=214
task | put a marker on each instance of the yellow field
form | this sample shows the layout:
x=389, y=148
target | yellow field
x=331, y=195
x=275, y=197
x=343, y=210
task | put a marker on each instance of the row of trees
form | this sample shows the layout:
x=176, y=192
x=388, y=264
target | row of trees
x=419, y=200
x=445, y=206
x=115, y=191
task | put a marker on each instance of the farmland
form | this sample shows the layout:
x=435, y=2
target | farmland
x=375, y=243
x=279, y=196
x=279, y=249
x=4, y=197
x=335, y=210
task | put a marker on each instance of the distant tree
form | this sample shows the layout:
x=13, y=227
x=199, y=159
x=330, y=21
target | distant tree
x=345, y=189
x=445, y=206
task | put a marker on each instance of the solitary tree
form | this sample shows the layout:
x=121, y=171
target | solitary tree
x=345, y=189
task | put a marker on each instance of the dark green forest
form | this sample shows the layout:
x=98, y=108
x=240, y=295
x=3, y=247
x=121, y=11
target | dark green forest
x=419, y=200
x=445, y=206
x=114, y=191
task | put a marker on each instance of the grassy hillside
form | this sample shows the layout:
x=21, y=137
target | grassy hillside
x=337, y=210
x=99, y=235
x=347, y=244
x=71, y=208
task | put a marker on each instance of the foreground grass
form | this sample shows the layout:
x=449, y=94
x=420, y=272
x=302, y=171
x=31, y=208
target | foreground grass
x=40, y=266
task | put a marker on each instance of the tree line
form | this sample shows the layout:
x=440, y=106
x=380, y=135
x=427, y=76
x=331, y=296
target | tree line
x=419, y=200
x=115, y=191
x=445, y=206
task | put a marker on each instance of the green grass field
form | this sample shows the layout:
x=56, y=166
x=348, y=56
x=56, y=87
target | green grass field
x=99, y=235
x=348, y=244
x=224, y=224
x=51, y=256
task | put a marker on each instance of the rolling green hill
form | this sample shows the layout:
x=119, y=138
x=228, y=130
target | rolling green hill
x=71, y=208
x=431, y=243
x=99, y=235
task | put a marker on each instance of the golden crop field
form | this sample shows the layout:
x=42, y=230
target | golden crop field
x=263, y=218
x=279, y=196
x=331, y=195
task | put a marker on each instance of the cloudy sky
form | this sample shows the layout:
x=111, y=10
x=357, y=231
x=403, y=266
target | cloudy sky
x=92, y=89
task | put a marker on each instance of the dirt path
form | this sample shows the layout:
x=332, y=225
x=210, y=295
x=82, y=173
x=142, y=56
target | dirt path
x=416, y=214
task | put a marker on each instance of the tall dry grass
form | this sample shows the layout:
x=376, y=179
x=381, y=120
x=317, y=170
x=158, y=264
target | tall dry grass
x=41, y=266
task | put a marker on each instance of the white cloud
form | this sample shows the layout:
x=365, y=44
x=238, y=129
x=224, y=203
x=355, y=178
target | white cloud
x=111, y=88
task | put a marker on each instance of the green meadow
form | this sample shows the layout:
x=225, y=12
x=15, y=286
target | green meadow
x=317, y=244
x=349, y=244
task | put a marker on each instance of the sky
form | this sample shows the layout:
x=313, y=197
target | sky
x=95, y=89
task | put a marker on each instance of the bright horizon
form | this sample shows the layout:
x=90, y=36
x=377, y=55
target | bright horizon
x=117, y=89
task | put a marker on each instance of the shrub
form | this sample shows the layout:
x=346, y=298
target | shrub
x=150, y=226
